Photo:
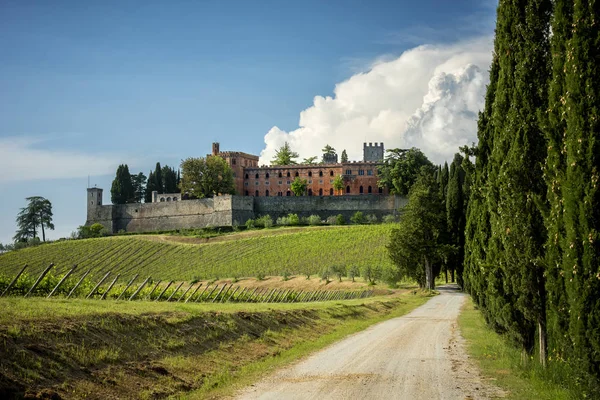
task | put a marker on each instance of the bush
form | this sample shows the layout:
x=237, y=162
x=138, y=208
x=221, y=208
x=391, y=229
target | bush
x=286, y=275
x=371, y=274
x=353, y=272
x=325, y=274
x=358, y=218
x=293, y=219
x=264, y=222
x=339, y=271
x=314, y=220
x=250, y=224
x=331, y=220
x=340, y=220
x=388, y=219
x=93, y=231
x=372, y=219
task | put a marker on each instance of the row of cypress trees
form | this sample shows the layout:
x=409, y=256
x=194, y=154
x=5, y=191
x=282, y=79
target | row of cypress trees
x=532, y=256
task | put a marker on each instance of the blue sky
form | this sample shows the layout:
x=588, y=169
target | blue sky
x=85, y=86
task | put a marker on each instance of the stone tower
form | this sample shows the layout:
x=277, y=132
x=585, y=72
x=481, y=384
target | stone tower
x=94, y=199
x=373, y=152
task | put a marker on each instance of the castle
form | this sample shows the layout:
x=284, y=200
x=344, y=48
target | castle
x=260, y=191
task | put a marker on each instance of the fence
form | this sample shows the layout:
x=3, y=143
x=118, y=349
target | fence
x=150, y=291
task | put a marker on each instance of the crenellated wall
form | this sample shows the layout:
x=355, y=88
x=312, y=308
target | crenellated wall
x=233, y=210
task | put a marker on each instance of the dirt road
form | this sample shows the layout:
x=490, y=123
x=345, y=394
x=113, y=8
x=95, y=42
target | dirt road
x=417, y=356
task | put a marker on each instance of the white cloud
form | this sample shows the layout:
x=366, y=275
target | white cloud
x=428, y=97
x=24, y=158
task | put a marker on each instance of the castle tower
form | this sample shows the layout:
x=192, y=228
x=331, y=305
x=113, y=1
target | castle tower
x=94, y=199
x=215, y=149
x=373, y=152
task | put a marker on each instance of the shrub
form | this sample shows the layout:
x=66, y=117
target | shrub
x=92, y=231
x=331, y=220
x=314, y=220
x=388, y=219
x=358, y=218
x=283, y=221
x=340, y=220
x=250, y=224
x=260, y=276
x=372, y=219
x=339, y=271
x=286, y=275
x=353, y=272
x=264, y=222
x=293, y=219
x=325, y=274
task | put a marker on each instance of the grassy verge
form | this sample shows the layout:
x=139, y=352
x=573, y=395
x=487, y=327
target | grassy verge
x=502, y=363
x=85, y=349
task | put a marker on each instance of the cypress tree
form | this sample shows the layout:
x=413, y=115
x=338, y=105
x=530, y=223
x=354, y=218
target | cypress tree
x=572, y=174
x=121, y=191
x=158, y=179
x=150, y=187
x=455, y=215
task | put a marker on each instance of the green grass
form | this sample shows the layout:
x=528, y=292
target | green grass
x=139, y=350
x=501, y=362
x=269, y=252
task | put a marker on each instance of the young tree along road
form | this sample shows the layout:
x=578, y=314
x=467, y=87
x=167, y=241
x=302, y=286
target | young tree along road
x=417, y=356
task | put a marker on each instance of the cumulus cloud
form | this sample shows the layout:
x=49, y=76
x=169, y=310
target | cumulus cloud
x=428, y=97
x=24, y=158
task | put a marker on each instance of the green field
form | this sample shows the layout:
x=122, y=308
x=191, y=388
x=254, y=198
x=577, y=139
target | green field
x=266, y=252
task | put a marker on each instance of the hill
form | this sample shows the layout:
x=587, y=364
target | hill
x=296, y=251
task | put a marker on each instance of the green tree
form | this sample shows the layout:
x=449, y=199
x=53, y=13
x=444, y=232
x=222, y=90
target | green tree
x=417, y=245
x=36, y=215
x=122, y=190
x=285, y=156
x=338, y=184
x=455, y=215
x=400, y=169
x=572, y=213
x=344, y=156
x=169, y=180
x=206, y=177
x=150, y=187
x=310, y=160
x=138, y=182
x=158, y=179
x=299, y=186
x=328, y=150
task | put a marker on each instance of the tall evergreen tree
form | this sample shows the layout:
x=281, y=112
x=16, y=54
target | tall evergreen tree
x=139, y=187
x=344, y=156
x=37, y=214
x=150, y=187
x=455, y=215
x=158, y=179
x=572, y=175
x=122, y=191
x=169, y=180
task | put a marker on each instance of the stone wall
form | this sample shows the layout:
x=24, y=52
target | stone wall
x=233, y=210
x=326, y=206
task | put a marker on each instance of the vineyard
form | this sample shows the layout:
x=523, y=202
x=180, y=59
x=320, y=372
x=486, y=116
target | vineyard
x=300, y=252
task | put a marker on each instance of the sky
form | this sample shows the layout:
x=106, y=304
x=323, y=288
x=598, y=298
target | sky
x=86, y=86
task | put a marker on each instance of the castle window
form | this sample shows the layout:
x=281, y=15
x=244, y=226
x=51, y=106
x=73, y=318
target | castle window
x=246, y=176
x=321, y=192
x=234, y=174
x=361, y=190
x=280, y=174
x=162, y=199
x=330, y=173
x=369, y=172
x=267, y=182
x=256, y=193
x=310, y=192
x=331, y=192
x=297, y=174
x=321, y=181
x=380, y=190
x=280, y=182
x=245, y=183
x=246, y=193
x=174, y=198
x=256, y=183
x=310, y=181
x=361, y=171
x=309, y=173
x=168, y=199
x=267, y=193
x=369, y=190
x=136, y=210
x=347, y=189
x=288, y=182
x=92, y=202
x=288, y=193
x=320, y=173
x=280, y=194
x=233, y=161
x=348, y=172
x=267, y=175
x=288, y=174
x=256, y=176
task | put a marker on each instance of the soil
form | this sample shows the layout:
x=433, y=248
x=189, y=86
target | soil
x=418, y=356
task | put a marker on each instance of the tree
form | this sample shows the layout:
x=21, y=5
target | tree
x=138, y=182
x=37, y=214
x=206, y=177
x=338, y=183
x=328, y=150
x=122, y=190
x=455, y=215
x=150, y=187
x=299, y=186
x=400, y=169
x=158, y=179
x=344, y=156
x=310, y=160
x=169, y=180
x=417, y=245
x=285, y=156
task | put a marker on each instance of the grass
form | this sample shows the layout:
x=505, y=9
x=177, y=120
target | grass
x=501, y=363
x=148, y=350
x=295, y=251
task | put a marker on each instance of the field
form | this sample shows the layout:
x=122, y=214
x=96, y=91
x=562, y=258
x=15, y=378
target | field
x=294, y=251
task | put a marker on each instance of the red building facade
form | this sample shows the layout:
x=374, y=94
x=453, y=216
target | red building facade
x=360, y=177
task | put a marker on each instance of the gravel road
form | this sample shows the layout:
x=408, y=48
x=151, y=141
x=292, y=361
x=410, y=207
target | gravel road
x=417, y=356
